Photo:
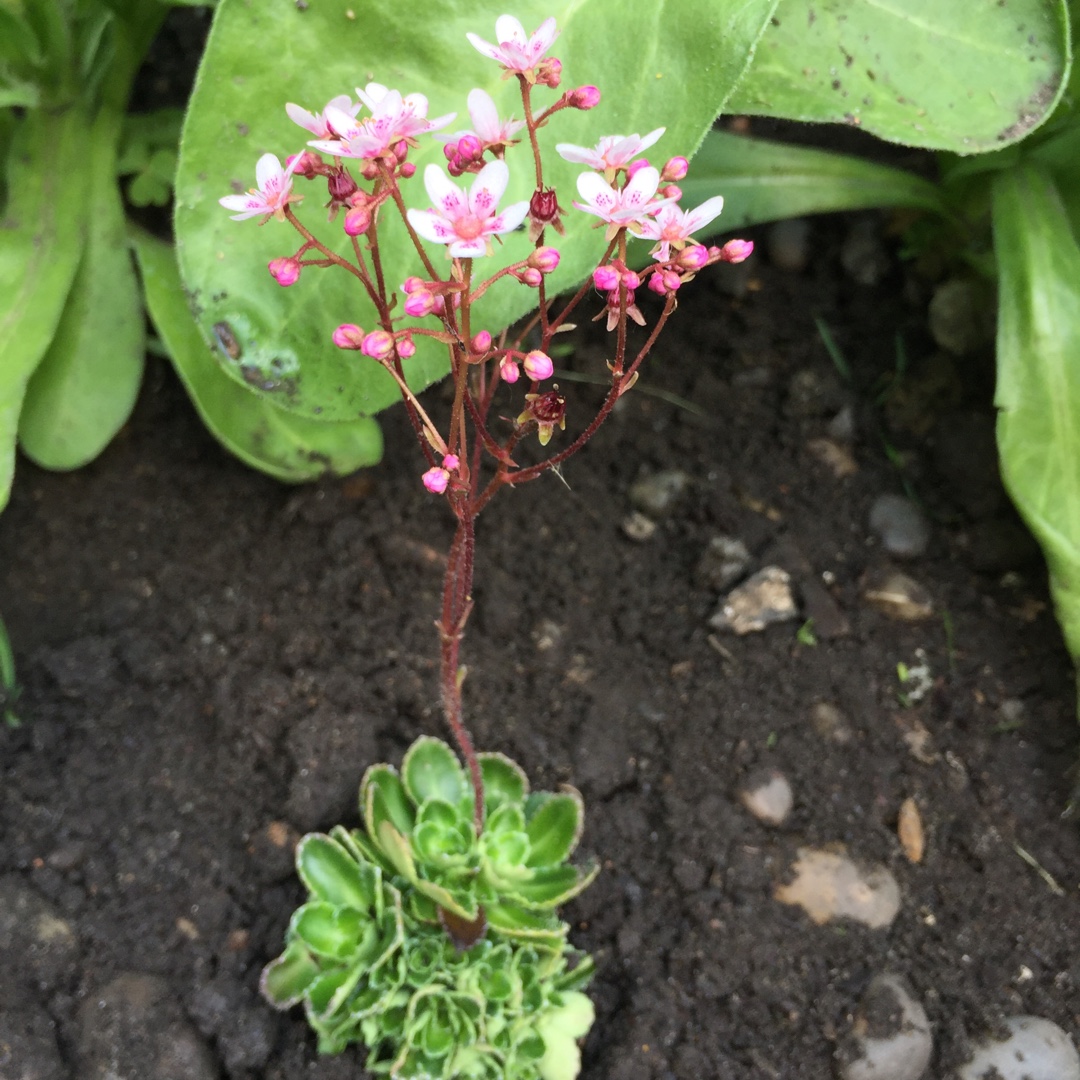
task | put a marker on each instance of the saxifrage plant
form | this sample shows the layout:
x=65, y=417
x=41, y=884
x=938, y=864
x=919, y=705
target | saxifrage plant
x=432, y=935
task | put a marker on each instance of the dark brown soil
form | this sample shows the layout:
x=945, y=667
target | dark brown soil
x=210, y=661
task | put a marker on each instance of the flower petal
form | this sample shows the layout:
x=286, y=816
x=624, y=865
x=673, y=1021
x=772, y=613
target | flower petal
x=492, y=52
x=579, y=155
x=597, y=192
x=469, y=249
x=444, y=193
x=484, y=115
x=649, y=139
x=508, y=219
x=509, y=29
x=701, y=215
x=268, y=170
x=641, y=189
x=430, y=226
x=541, y=41
x=488, y=188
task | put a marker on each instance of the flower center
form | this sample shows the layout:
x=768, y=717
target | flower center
x=468, y=227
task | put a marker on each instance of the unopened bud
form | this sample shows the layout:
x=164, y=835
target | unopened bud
x=406, y=347
x=538, y=365
x=412, y=284
x=481, y=342
x=635, y=167
x=693, y=258
x=509, y=370
x=285, y=272
x=436, y=480
x=419, y=304
x=736, y=251
x=379, y=344
x=530, y=276
x=656, y=284
x=451, y=462
x=449, y=150
x=584, y=97
x=544, y=259
x=348, y=336
x=675, y=169
x=549, y=72
x=307, y=164
x=470, y=148
x=671, y=191
x=401, y=150
x=631, y=280
x=407, y=170
x=606, y=278
x=357, y=221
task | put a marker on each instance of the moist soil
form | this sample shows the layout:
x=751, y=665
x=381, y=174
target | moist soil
x=210, y=660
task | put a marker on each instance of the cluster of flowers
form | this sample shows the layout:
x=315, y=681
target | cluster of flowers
x=622, y=189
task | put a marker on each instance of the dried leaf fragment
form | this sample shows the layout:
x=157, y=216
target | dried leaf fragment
x=909, y=828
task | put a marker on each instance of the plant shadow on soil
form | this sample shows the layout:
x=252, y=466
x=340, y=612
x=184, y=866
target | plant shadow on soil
x=211, y=660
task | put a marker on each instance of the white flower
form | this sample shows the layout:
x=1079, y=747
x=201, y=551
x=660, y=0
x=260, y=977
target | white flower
x=613, y=152
x=670, y=225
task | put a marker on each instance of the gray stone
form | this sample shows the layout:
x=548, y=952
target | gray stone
x=134, y=1029
x=1035, y=1049
x=28, y=1049
x=890, y=1039
x=900, y=525
x=788, y=244
x=725, y=560
x=657, y=494
x=38, y=947
x=768, y=796
x=763, y=599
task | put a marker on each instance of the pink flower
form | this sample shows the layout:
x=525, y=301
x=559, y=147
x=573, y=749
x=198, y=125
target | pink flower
x=436, y=480
x=672, y=226
x=736, y=251
x=538, y=365
x=613, y=152
x=393, y=119
x=285, y=271
x=626, y=207
x=348, y=336
x=272, y=195
x=493, y=133
x=518, y=53
x=467, y=221
x=317, y=123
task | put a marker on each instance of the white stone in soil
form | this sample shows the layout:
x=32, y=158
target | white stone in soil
x=1035, y=1049
x=763, y=599
x=890, y=1039
x=828, y=885
x=768, y=797
x=900, y=525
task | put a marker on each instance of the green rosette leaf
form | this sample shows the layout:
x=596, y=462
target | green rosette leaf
x=331, y=874
x=555, y=827
x=431, y=770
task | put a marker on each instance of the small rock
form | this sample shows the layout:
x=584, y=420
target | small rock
x=890, y=1039
x=830, y=723
x=828, y=885
x=637, y=526
x=838, y=459
x=962, y=316
x=900, y=525
x=897, y=595
x=726, y=559
x=813, y=392
x=862, y=254
x=842, y=425
x=134, y=1027
x=658, y=493
x=1036, y=1049
x=910, y=832
x=763, y=599
x=28, y=1049
x=38, y=946
x=788, y=244
x=768, y=797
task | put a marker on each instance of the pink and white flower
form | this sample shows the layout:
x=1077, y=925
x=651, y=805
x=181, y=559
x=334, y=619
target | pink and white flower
x=317, y=123
x=493, y=133
x=627, y=207
x=393, y=119
x=611, y=153
x=671, y=227
x=273, y=194
x=518, y=53
x=467, y=221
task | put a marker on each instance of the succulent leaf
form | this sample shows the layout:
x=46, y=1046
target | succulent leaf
x=331, y=874
x=503, y=778
x=383, y=798
x=431, y=770
x=330, y=931
x=555, y=827
x=285, y=979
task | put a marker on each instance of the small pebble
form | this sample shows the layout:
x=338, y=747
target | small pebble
x=637, y=526
x=900, y=525
x=828, y=885
x=788, y=244
x=890, y=1039
x=897, y=595
x=725, y=560
x=1035, y=1049
x=763, y=599
x=830, y=723
x=658, y=493
x=835, y=457
x=768, y=797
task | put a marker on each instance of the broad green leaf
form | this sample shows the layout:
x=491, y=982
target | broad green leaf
x=430, y=769
x=331, y=874
x=504, y=779
x=552, y=886
x=1038, y=375
x=285, y=979
x=561, y=1029
x=329, y=930
x=383, y=798
x=41, y=240
x=281, y=444
x=515, y=921
x=767, y=181
x=644, y=60
x=554, y=830
x=965, y=76
x=85, y=387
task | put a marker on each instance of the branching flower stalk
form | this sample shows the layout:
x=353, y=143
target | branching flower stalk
x=473, y=459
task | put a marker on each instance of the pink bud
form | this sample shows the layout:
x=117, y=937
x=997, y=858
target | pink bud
x=436, y=480
x=449, y=150
x=631, y=280
x=584, y=97
x=544, y=259
x=450, y=462
x=406, y=347
x=401, y=149
x=481, y=342
x=675, y=169
x=538, y=365
x=379, y=344
x=509, y=370
x=457, y=165
x=656, y=284
x=285, y=272
x=412, y=284
x=672, y=280
x=736, y=251
x=307, y=164
x=357, y=221
x=419, y=304
x=693, y=258
x=470, y=148
x=348, y=336
x=407, y=170
x=549, y=72
x=671, y=191
x=635, y=167
x=530, y=276
x=606, y=278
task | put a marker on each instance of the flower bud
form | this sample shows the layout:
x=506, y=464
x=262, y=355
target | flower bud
x=736, y=251
x=348, y=336
x=379, y=344
x=481, y=342
x=470, y=148
x=530, y=276
x=307, y=164
x=544, y=259
x=671, y=191
x=401, y=149
x=436, y=480
x=509, y=370
x=636, y=167
x=451, y=462
x=412, y=284
x=584, y=97
x=631, y=280
x=419, y=304
x=693, y=258
x=606, y=278
x=549, y=412
x=675, y=169
x=538, y=365
x=341, y=186
x=285, y=272
x=656, y=284
x=406, y=347
x=449, y=150
x=549, y=72
x=357, y=221
x=457, y=166
x=407, y=170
